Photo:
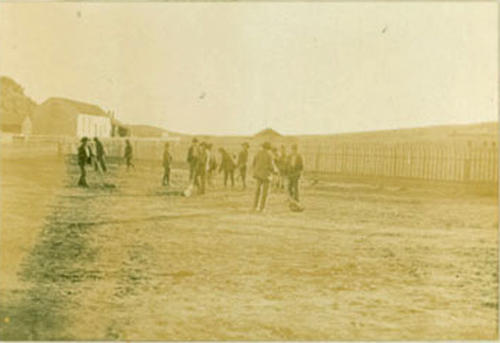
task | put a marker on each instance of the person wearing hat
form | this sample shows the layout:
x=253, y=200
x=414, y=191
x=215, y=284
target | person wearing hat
x=192, y=159
x=295, y=167
x=167, y=161
x=227, y=166
x=242, y=164
x=83, y=159
x=263, y=168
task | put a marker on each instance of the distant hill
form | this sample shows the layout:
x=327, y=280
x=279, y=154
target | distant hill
x=487, y=131
x=150, y=131
x=267, y=133
x=15, y=106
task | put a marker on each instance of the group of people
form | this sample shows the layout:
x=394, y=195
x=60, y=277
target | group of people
x=90, y=153
x=203, y=165
x=270, y=167
x=287, y=168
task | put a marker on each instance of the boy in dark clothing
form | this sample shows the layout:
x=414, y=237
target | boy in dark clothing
x=227, y=165
x=242, y=164
x=100, y=153
x=167, y=161
x=83, y=159
x=128, y=154
x=295, y=167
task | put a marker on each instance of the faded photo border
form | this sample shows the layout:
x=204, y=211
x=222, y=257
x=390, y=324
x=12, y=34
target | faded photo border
x=117, y=3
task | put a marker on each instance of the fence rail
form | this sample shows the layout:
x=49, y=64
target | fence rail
x=449, y=160
x=452, y=161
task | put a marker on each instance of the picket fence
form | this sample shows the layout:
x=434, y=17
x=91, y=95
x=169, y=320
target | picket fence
x=447, y=160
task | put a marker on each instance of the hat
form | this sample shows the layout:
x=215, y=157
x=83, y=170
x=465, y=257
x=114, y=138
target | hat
x=266, y=145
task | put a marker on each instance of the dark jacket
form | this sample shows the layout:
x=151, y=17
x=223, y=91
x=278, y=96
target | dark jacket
x=167, y=159
x=263, y=165
x=192, y=155
x=295, y=165
x=128, y=151
x=83, y=155
x=99, y=149
x=227, y=162
x=201, y=160
x=243, y=158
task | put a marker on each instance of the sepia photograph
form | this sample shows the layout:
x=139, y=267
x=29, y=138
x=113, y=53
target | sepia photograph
x=249, y=171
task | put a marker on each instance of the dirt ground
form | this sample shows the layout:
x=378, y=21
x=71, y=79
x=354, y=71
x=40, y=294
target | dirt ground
x=364, y=261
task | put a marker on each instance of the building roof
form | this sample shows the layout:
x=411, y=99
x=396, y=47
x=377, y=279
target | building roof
x=73, y=106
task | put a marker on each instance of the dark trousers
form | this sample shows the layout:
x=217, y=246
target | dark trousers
x=166, y=175
x=293, y=187
x=200, y=181
x=243, y=174
x=192, y=172
x=100, y=162
x=83, y=176
x=129, y=162
x=261, y=193
x=228, y=173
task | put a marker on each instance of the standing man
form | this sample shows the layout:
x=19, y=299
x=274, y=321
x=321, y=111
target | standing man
x=192, y=159
x=295, y=167
x=242, y=164
x=283, y=167
x=212, y=164
x=128, y=154
x=167, y=161
x=201, y=168
x=263, y=167
x=227, y=165
x=83, y=159
x=100, y=153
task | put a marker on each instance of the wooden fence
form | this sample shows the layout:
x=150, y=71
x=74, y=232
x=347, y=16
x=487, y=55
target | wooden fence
x=447, y=160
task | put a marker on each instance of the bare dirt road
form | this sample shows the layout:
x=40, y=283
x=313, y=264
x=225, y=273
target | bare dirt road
x=134, y=263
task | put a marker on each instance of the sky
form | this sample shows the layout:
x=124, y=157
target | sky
x=237, y=68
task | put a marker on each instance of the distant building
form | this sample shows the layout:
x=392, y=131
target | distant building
x=65, y=117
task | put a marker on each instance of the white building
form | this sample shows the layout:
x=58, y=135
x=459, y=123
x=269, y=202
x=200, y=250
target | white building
x=93, y=126
x=65, y=117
